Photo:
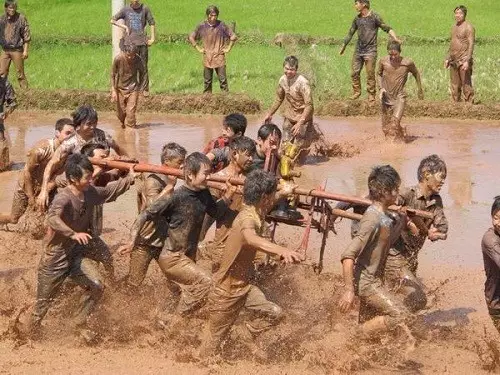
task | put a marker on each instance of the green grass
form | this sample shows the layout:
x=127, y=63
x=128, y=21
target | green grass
x=423, y=18
x=255, y=70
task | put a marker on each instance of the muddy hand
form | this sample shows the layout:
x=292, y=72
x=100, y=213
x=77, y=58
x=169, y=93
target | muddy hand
x=82, y=238
x=346, y=301
x=292, y=257
x=42, y=201
x=296, y=128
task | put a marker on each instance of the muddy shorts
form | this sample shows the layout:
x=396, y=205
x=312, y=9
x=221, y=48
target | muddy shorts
x=224, y=308
x=379, y=300
x=403, y=282
x=194, y=281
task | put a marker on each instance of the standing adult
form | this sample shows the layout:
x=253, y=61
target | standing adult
x=214, y=36
x=7, y=105
x=135, y=17
x=15, y=37
x=366, y=23
x=459, y=59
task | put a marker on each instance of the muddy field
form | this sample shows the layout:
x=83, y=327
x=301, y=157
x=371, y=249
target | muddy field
x=314, y=338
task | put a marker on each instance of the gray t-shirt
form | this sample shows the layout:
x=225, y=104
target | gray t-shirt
x=136, y=20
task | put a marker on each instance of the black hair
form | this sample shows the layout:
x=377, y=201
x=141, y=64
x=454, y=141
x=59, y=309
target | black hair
x=236, y=122
x=212, y=9
x=76, y=165
x=366, y=2
x=257, y=184
x=393, y=46
x=495, y=207
x=243, y=144
x=431, y=164
x=172, y=151
x=291, y=61
x=383, y=179
x=127, y=46
x=62, y=122
x=193, y=163
x=463, y=8
x=84, y=113
x=267, y=129
x=89, y=148
x=8, y=3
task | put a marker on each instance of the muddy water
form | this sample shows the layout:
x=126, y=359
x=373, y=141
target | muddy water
x=469, y=148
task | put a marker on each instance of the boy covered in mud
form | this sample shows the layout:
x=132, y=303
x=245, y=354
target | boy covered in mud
x=294, y=89
x=233, y=290
x=402, y=262
x=392, y=74
x=85, y=120
x=152, y=237
x=184, y=212
x=135, y=17
x=7, y=105
x=459, y=59
x=234, y=125
x=366, y=23
x=490, y=246
x=30, y=179
x=127, y=83
x=214, y=35
x=69, y=218
x=242, y=150
x=363, y=261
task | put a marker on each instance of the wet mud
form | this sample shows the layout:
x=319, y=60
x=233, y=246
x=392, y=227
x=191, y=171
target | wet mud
x=315, y=337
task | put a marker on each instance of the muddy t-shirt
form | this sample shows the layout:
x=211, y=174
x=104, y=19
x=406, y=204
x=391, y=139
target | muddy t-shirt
x=14, y=31
x=490, y=246
x=136, y=20
x=126, y=74
x=367, y=28
x=184, y=212
x=370, y=246
x=237, y=261
x=69, y=214
x=462, y=43
x=154, y=232
x=214, y=38
x=74, y=144
x=394, y=77
x=298, y=103
x=412, y=197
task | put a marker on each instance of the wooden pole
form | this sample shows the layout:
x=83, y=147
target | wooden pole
x=142, y=167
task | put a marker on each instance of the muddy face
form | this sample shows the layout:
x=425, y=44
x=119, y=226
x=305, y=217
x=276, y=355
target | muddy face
x=290, y=71
x=198, y=181
x=435, y=182
x=243, y=159
x=212, y=18
x=65, y=132
x=86, y=129
x=459, y=16
x=359, y=6
x=11, y=10
x=227, y=132
x=135, y=4
x=395, y=56
x=84, y=182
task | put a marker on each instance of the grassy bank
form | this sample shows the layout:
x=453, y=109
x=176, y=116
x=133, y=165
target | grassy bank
x=253, y=70
x=422, y=18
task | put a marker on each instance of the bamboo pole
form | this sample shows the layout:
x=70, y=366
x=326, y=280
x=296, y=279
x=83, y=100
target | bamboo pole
x=143, y=167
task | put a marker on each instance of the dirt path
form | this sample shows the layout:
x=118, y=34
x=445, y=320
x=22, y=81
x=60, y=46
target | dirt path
x=314, y=338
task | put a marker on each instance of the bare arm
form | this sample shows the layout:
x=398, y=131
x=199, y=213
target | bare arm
x=255, y=241
x=280, y=96
x=153, y=35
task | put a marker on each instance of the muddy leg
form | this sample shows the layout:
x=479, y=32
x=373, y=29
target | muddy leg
x=208, y=75
x=455, y=83
x=84, y=272
x=224, y=308
x=5, y=63
x=221, y=74
x=268, y=313
x=131, y=109
x=144, y=55
x=99, y=251
x=4, y=149
x=386, y=111
x=371, y=88
x=140, y=258
x=194, y=282
x=467, y=89
x=121, y=105
x=17, y=59
x=19, y=206
x=356, y=66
